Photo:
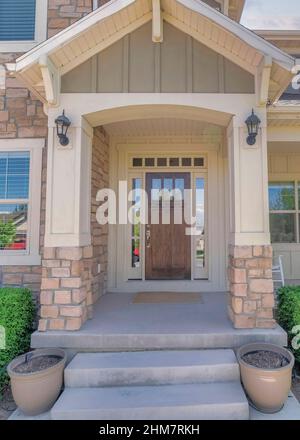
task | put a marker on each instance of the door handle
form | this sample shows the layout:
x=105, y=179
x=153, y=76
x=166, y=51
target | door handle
x=148, y=236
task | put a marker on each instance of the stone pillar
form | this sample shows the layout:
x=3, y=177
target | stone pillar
x=251, y=298
x=68, y=255
x=66, y=287
x=251, y=286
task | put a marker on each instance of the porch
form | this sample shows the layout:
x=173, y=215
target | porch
x=118, y=324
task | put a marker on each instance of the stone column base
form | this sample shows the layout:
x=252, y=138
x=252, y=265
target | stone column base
x=66, y=298
x=251, y=299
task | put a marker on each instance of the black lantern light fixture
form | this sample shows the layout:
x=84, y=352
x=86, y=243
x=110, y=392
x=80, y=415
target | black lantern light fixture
x=253, y=123
x=62, y=125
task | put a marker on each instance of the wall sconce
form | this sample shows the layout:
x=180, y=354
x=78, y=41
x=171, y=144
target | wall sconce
x=62, y=125
x=253, y=123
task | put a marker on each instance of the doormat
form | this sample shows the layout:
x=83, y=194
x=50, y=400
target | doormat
x=167, y=298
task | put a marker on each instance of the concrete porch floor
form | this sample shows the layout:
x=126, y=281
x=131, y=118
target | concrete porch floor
x=118, y=325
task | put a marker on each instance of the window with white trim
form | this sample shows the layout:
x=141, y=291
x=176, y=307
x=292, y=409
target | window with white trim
x=23, y=24
x=14, y=200
x=284, y=201
x=20, y=196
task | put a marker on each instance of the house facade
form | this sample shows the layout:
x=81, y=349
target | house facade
x=157, y=94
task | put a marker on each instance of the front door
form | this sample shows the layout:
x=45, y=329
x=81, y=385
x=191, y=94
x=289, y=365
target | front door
x=168, y=248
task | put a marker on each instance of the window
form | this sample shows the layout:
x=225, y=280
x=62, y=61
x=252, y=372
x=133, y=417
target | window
x=23, y=24
x=284, y=202
x=20, y=193
x=139, y=162
x=14, y=199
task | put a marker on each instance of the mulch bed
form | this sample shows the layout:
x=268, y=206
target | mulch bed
x=7, y=404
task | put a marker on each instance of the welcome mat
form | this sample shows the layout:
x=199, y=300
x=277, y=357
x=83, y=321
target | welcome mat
x=167, y=298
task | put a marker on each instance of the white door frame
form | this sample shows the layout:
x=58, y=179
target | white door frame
x=121, y=151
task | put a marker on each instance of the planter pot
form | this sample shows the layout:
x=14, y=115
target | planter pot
x=36, y=392
x=267, y=389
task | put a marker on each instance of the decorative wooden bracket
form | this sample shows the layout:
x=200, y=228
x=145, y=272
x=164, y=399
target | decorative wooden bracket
x=157, y=22
x=262, y=80
x=51, y=80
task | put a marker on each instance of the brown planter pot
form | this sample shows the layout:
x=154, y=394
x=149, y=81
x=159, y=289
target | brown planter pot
x=267, y=389
x=36, y=392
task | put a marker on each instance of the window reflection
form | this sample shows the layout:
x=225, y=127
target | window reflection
x=200, y=222
x=136, y=224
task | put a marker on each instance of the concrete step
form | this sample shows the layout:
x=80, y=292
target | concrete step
x=205, y=401
x=151, y=368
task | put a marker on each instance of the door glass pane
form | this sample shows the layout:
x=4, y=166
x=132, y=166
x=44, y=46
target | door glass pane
x=136, y=224
x=155, y=189
x=282, y=196
x=13, y=226
x=283, y=228
x=200, y=223
x=179, y=185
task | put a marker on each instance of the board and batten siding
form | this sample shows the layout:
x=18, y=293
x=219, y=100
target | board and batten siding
x=284, y=165
x=179, y=64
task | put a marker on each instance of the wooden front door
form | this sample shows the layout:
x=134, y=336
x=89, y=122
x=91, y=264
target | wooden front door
x=168, y=248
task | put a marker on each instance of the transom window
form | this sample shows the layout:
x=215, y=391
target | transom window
x=284, y=200
x=160, y=162
x=14, y=200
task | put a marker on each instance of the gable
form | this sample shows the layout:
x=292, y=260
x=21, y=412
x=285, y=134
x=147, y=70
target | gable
x=179, y=64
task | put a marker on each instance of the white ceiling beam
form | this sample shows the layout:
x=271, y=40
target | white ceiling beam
x=262, y=80
x=51, y=80
x=157, y=22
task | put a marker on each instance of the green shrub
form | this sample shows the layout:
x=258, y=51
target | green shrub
x=16, y=317
x=288, y=313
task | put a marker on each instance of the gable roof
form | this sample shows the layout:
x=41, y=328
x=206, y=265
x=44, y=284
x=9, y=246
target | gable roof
x=106, y=25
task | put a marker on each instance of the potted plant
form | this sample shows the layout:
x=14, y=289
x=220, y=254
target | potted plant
x=37, y=379
x=266, y=372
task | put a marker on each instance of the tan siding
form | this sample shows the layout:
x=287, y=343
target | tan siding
x=78, y=79
x=205, y=69
x=141, y=60
x=173, y=60
x=110, y=69
x=179, y=64
x=237, y=80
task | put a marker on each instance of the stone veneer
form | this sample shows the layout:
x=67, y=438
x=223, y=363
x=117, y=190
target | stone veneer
x=71, y=280
x=251, y=296
x=63, y=13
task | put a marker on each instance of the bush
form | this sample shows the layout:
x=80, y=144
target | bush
x=288, y=313
x=16, y=317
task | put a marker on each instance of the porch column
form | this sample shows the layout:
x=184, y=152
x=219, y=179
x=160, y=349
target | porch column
x=251, y=298
x=67, y=255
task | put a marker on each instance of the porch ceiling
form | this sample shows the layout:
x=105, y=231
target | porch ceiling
x=42, y=67
x=163, y=127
